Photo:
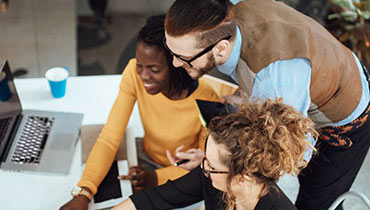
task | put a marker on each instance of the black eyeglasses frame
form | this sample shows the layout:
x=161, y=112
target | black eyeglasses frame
x=208, y=172
x=188, y=61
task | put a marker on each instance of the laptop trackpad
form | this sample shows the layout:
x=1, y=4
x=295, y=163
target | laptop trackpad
x=62, y=141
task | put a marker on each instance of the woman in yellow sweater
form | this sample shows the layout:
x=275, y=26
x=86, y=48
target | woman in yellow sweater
x=166, y=99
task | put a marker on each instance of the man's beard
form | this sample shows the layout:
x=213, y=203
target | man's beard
x=209, y=65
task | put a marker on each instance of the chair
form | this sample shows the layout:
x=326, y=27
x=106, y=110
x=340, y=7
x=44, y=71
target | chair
x=345, y=195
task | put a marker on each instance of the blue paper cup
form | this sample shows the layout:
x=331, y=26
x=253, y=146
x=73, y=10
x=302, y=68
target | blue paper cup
x=57, y=77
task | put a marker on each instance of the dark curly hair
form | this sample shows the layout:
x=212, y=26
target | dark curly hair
x=152, y=34
x=264, y=140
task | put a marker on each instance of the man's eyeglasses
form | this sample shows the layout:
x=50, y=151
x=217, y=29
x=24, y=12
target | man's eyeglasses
x=188, y=61
x=208, y=172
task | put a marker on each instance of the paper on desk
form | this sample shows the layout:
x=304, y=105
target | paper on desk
x=126, y=189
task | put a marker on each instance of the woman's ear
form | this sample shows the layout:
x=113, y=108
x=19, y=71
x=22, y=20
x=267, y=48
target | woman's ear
x=240, y=179
x=239, y=183
x=244, y=179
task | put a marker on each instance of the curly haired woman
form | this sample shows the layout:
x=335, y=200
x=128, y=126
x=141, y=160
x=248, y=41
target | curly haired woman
x=246, y=153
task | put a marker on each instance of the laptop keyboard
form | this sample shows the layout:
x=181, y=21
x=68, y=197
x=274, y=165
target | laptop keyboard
x=4, y=124
x=32, y=140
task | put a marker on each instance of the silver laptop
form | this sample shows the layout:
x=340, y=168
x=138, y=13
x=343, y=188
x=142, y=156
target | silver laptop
x=32, y=140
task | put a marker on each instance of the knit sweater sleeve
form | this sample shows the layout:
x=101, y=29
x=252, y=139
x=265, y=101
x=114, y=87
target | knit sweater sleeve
x=102, y=154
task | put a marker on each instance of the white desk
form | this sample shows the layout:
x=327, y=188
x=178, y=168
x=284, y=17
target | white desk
x=91, y=95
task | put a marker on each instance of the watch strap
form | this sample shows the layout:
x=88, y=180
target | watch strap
x=77, y=191
x=86, y=193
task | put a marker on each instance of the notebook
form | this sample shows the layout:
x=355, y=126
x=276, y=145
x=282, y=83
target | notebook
x=32, y=140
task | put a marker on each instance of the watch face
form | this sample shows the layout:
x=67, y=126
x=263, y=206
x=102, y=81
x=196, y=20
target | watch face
x=76, y=191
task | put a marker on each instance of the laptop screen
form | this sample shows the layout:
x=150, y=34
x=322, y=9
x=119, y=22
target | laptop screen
x=10, y=106
x=9, y=100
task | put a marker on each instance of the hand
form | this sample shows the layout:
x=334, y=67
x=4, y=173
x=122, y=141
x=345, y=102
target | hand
x=236, y=99
x=233, y=100
x=140, y=178
x=195, y=157
x=125, y=205
x=77, y=203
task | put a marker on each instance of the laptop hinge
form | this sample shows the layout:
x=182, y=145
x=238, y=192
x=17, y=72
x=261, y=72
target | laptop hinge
x=13, y=132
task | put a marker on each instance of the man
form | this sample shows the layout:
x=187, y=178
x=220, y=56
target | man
x=272, y=51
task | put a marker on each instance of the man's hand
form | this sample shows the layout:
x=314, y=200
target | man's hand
x=140, y=178
x=195, y=157
x=77, y=203
x=236, y=99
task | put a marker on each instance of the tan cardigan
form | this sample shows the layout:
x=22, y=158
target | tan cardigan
x=272, y=31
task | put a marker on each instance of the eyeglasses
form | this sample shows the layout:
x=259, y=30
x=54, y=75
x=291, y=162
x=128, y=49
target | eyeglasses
x=208, y=172
x=188, y=61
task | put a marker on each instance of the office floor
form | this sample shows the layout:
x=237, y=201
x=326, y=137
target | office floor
x=101, y=51
x=35, y=36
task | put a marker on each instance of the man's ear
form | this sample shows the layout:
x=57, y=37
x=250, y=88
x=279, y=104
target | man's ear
x=221, y=49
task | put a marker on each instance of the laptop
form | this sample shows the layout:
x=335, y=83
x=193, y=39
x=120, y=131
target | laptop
x=31, y=140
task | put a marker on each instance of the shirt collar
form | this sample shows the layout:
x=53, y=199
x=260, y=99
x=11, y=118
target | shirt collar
x=229, y=67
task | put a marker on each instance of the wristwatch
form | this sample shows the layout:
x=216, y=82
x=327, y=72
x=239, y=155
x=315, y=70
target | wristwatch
x=77, y=191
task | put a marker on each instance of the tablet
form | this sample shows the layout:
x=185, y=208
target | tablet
x=211, y=109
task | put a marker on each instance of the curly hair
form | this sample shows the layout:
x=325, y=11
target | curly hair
x=152, y=34
x=265, y=140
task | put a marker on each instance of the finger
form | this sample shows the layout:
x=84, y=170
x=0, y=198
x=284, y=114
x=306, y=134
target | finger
x=178, y=149
x=133, y=170
x=124, y=177
x=192, y=150
x=136, y=168
x=135, y=189
x=170, y=157
x=196, y=156
x=195, y=151
x=189, y=165
x=136, y=183
x=235, y=100
x=137, y=177
x=140, y=182
x=224, y=99
x=185, y=155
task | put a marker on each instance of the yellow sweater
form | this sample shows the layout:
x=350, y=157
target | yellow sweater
x=167, y=125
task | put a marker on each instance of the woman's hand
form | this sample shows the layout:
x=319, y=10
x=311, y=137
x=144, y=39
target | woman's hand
x=140, y=178
x=77, y=203
x=125, y=205
x=195, y=157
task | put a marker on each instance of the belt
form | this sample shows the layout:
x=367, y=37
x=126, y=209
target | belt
x=338, y=135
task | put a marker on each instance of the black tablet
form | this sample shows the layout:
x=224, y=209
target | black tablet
x=211, y=109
